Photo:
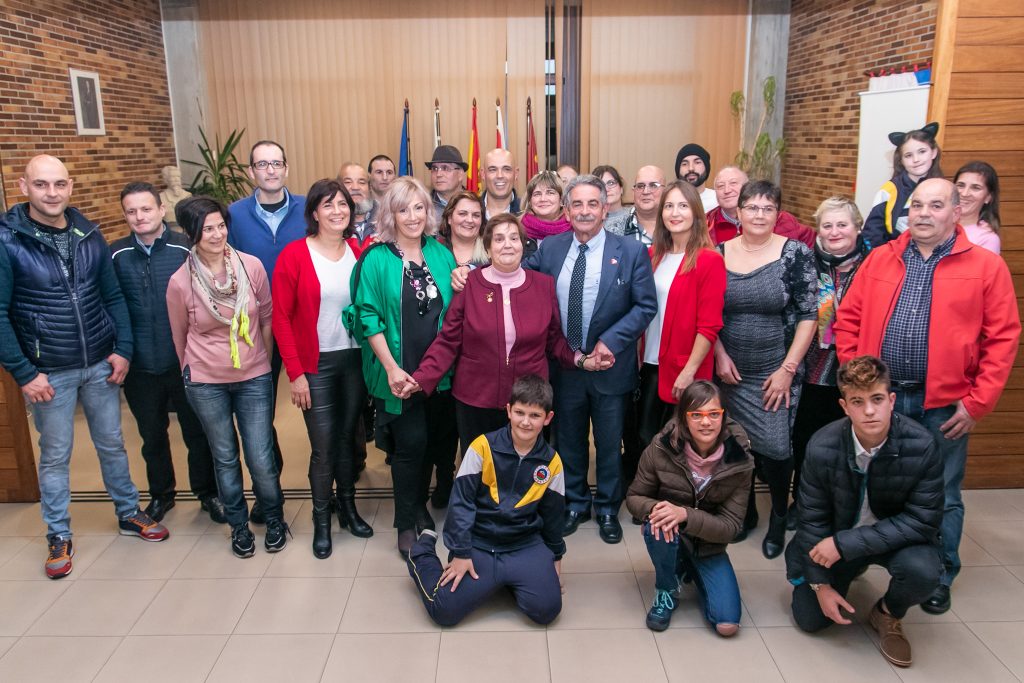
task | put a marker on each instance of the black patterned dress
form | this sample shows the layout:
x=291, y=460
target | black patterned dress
x=762, y=309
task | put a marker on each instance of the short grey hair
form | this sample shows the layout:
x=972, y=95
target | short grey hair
x=585, y=179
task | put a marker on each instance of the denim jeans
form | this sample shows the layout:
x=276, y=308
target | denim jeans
x=55, y=422
x=954, y=461
x=717, y=588
x=219, y=407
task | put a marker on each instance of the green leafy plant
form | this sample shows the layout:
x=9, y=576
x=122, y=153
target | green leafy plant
x=221, y=175
x=761, y=158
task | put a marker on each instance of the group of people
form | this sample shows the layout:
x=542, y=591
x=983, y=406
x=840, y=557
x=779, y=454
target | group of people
x=703, y=336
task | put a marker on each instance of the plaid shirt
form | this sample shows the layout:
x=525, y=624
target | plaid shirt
x=632, y=228
x=905, y=347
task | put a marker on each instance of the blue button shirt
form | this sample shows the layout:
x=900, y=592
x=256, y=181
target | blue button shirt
x=591, y=283
x=273, y=220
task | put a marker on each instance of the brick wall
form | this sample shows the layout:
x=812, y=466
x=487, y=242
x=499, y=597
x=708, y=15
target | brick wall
x=123, y=43
x=831, y=44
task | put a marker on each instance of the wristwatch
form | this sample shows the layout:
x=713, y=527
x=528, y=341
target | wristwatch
x=581, y=361
x=815, y=586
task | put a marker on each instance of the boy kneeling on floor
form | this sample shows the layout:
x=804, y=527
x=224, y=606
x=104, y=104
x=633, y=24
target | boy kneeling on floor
x=504, y=524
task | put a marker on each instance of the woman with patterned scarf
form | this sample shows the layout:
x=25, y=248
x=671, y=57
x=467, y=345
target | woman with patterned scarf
x=839, y=250
x=220, y=312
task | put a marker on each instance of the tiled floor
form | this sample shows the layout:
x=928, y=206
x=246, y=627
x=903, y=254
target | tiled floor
x=187, y=610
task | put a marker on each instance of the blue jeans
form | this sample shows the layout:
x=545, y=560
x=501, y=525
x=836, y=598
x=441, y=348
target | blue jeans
x=954, y=461
x=717, y=588
x=218, y=407
x=55, y=422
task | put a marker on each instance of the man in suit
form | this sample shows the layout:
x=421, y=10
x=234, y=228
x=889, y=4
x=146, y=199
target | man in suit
x=606, y=298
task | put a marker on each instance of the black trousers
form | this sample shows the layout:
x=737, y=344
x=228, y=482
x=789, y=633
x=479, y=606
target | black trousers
x=337, y=394
x=819, y=405
x=914, y=569
x=276, y=363
x=424, y=437
x=150, y=398
x=473, y=421
x=653, y=413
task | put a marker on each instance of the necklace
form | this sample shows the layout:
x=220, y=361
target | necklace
x=747, y=249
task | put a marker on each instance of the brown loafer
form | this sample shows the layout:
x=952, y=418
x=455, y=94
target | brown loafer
x=894, y=645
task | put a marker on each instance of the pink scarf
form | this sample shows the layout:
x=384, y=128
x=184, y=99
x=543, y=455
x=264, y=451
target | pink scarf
x=702, y=468
x=538, y=228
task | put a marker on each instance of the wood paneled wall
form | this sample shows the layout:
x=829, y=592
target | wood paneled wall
x=657, y=74
x=979, y=99
x=328, y=79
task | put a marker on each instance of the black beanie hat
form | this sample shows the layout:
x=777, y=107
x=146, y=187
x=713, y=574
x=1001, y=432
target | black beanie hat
x=693, y=149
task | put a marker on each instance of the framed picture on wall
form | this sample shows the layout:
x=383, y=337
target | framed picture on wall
x=85, y=90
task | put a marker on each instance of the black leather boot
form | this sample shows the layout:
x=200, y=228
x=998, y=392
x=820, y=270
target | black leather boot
x=350, y=519
x=775, y=540
x=322, y=546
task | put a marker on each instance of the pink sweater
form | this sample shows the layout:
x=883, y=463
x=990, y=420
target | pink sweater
x=202, y=341
x=506, y=281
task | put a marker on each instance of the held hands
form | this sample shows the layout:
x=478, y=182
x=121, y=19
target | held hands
x=665, y=519
x=39, y=389
x=831, y=601
x=776, y=389
x=300, y=393
x=402, y=384
x=603, y=356
x=960, y=424
x=825, y=553
x=458, y=569
x=119, y=368
x=459, y=276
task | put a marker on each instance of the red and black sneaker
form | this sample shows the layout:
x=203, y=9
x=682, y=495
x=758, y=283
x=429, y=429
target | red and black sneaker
x=142, y=525
x=58, y=562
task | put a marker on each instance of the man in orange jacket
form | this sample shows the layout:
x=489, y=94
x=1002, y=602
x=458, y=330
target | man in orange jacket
x=942, y=313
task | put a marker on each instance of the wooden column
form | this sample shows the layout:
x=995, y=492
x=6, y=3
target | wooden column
x=978, y=97
x=18, y=480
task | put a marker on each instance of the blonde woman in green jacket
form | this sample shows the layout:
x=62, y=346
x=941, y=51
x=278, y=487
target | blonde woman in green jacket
x=402, y=288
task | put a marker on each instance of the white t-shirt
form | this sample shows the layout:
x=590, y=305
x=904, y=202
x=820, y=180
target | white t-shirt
x=708, y=198
x=334, y=298
x=663, y=278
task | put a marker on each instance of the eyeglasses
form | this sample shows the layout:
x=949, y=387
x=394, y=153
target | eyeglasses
x=443, y=168
x=714, y=415
x=644, y=187
x=763, y=210
x=264, y=165
x=611, y=183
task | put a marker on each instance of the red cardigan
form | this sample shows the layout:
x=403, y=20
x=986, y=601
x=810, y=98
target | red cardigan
x=296, y=294
x=695, y=302
x=973, y=332
x=474, y=333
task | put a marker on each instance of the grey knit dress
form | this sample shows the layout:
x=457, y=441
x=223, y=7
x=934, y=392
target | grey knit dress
x=762, y=309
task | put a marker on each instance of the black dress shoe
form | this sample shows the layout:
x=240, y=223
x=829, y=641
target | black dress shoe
x=775, y=540
x=609, y=528
x=215, y=508
x=939, y=602
x=573, y=520
x=792, y=517
x=158, y=507
x=423, y=520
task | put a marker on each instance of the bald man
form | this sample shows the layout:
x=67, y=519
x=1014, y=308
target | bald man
x=66, y=339
x=724, y=219
x=500, y=175
x=639, y=221
x=942, y=313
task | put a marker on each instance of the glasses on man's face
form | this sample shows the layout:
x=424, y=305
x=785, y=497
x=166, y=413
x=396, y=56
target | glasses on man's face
x=264, y=165
x=443, y=168
x=754, y=209
x=714, y=414
x=648, y=187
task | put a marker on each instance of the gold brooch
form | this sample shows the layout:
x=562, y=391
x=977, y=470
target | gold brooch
x=490, y=297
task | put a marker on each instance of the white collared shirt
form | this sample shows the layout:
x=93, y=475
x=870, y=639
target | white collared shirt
x=863, y=458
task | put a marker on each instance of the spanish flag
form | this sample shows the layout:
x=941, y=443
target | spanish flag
x=531, y=143
x=473, y=175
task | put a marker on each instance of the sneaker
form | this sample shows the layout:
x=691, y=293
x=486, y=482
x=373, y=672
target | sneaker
x=277, y=536
x=660, y=614
x=243, y=543
x=894, y=645
x=142, y=525
x=58, y=562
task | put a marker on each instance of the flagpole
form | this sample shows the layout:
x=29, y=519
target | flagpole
x=437, y=123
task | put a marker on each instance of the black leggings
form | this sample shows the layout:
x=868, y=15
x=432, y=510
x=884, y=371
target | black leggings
x=776, y=474
x=819, y=405
x=653, y=412
x=337, y=394
x=424, y=438
x=473, y=421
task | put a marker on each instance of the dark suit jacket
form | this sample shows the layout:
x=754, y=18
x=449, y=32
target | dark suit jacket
x=626, y=303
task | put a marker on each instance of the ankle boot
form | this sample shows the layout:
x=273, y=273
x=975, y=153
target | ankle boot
x=322, y=529
x=349, y=518
x=775, y=539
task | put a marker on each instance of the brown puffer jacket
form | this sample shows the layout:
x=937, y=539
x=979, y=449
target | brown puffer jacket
x=715, y=515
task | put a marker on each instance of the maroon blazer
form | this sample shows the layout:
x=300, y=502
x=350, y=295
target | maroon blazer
x=474, y=334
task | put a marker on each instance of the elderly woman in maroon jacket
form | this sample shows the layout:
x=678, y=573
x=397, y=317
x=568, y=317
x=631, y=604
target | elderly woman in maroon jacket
x=503, y=325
